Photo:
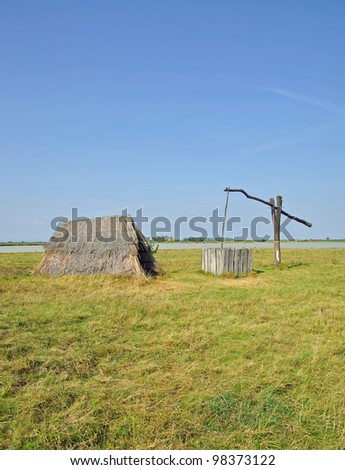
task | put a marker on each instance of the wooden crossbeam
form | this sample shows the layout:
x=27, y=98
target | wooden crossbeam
x=270, y=204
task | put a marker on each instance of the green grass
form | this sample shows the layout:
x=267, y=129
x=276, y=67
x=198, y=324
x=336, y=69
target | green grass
x=187, y=361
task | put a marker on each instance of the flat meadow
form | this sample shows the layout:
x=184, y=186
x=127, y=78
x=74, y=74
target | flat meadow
x=185, y=361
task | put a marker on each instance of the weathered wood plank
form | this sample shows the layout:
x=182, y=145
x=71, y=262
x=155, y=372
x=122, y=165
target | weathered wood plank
x=213, y=261
x=231, y=261
x=222, y=260
x=236, y=255
x=226, y=261
x=244, y=260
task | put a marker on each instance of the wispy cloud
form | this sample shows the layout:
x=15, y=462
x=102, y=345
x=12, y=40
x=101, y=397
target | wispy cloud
x=302, y=135
x=313, y=100
x=270, y=146
x=308, y=135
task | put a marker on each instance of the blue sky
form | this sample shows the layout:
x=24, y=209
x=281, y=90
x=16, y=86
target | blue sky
x=160, y=105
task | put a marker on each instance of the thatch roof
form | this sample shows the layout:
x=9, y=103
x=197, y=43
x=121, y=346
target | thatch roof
x=104, y=245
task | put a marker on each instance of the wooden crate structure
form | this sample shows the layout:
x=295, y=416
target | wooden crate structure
x=226, y=260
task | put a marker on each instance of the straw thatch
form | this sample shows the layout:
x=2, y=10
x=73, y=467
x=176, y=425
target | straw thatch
x=104, y=245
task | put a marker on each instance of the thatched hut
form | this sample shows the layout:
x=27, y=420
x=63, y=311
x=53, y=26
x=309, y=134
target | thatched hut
x=104, y=245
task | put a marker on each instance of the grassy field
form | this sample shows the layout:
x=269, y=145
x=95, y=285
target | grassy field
x=187, y=361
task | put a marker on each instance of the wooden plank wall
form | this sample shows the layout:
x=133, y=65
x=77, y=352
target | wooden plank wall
x=224, y=260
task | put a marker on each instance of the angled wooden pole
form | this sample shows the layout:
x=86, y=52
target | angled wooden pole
x=292, y=217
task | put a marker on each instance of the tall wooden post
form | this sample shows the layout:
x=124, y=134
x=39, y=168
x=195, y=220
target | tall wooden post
x=276, y=216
